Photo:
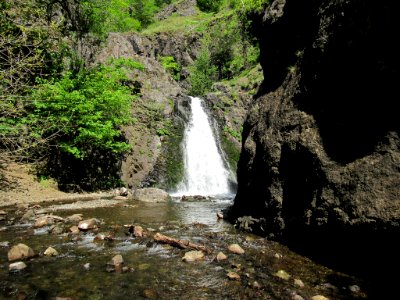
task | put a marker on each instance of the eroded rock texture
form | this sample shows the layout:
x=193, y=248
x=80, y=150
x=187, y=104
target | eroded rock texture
x=320, y=156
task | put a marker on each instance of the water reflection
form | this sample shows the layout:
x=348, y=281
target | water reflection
x=154, y=270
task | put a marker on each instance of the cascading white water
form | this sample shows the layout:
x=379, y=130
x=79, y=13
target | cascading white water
x=205, y=173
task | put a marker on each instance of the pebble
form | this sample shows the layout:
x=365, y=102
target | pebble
x=50, y=252
x=221, y=256
x=17, y=266
x=235, y=248
x=233, y=275
x=193, y=256
x=319, y=297
x=299, y=283
x=282, y=274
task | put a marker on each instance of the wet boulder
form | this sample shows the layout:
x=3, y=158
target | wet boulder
x=116, y=264
x=194, y=198
x=235, y=248
x=20, y=251
x=151, y=195
x=220, y=257
x=3, y=215
x=50, y=251
x=88, y=224
x=17, y=266
x=193, y=256
x=75, y=218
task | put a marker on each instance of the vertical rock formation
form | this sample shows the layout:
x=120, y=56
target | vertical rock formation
x=320, y=155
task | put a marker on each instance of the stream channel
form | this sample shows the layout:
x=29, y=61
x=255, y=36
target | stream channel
x=154, y=270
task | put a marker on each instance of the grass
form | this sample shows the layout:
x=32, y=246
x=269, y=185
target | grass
x=195, y=23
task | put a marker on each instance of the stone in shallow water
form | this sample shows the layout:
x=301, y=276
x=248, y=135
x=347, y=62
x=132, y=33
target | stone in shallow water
x=74, y=218
x=298, y=282
x=282, y=274
x=74, y=230
x=117, y=260
x=193, y=256
x=151, y=195
x=17, y=266
x=233, y=275
x=87, y=224
x=319, y=297
x=235, y=248
x=50, y=252
x=138, y=231
x=221, y=256
x=20, y=251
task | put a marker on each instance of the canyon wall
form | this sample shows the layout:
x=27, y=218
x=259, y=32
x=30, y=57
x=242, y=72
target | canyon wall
x=320, y=156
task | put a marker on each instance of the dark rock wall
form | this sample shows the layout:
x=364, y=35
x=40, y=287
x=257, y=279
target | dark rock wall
x=320, y=155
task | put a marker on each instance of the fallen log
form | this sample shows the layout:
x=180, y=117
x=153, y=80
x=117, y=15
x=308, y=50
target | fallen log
x=183, y=244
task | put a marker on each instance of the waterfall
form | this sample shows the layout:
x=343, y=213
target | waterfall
x=205, y=173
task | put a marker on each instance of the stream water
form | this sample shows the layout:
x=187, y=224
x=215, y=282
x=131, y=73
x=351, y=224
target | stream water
x=152, y=270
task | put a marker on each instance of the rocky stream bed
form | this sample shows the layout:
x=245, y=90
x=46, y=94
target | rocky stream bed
x=108, y=249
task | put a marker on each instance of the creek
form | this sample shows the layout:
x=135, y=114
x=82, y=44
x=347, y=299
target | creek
x=153, y=270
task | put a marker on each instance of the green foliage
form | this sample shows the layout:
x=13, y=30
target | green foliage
x=79, y=113
x=143, y=11
x=202, y=74
x=209, y=5
x=163, y=131
x=249, y=6
x=221, y=39
x=230, y=50
x=115, y=16
x=233, y=133
x=169, y=63
x=194, y=23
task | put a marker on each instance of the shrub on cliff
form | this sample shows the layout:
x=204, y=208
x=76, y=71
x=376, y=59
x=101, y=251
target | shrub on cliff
x=202, y=74
x=209, y=5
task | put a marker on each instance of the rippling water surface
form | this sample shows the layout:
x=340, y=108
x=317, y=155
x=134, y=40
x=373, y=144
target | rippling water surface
x=156, y=271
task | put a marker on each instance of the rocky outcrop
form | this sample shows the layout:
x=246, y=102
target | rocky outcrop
x=160, y=95
x=181, y=8
x=321, y=150
x=228, y=102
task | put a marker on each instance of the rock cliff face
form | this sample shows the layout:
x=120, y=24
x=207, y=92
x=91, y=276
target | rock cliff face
x=157, y=110
x=320, y=161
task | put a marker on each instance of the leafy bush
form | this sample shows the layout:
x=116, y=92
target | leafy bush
x=209, y=5
x=202, y=74
x=169, y=63
x=79, y=113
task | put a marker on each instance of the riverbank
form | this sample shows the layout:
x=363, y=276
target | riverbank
x=20, y=186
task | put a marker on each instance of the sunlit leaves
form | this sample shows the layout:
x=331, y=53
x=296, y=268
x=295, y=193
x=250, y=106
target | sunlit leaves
x=82, y=112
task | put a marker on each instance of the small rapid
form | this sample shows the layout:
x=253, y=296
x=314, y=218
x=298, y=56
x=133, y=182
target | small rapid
x=205, y=171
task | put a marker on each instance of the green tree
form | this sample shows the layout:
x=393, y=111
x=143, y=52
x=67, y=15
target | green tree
x=209, y=5
x=143, y=11
x=169, y=63
x=82, y=112
x=202, y=74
